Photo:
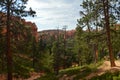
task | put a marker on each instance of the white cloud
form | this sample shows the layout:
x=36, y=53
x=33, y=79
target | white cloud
x=52, y=13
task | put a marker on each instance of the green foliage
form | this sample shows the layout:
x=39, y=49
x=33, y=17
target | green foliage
x=80, y=72
x=17, y=8
x=56, y=52
x=84, y=72
x=91, y=40
x=12, y=11
x=70, y=71
x=22, y=67
x=49, y=76
x=116, y=42
x=47, y=62
x=83, y=47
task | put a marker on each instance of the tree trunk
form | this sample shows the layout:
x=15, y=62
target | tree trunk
x=106, y=14
x=34, y=51
x=64, y=64
x=88, y=27
x=8, y=53
x=96, y=52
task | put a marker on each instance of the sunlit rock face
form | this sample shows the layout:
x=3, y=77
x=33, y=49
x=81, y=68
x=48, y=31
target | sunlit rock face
x=46, y=34
x=32, y=26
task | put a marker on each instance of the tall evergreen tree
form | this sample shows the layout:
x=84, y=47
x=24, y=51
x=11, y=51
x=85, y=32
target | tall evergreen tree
x=102, y=12
x=12, y=8
x=107, y=25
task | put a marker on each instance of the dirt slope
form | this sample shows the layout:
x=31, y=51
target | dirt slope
x=105, y=67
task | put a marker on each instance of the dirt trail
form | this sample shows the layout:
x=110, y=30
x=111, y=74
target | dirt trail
x=32, y=77
x=101, y=70
x=105, y=67
x=65, y=77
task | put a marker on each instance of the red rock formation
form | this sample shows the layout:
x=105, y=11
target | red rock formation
x=33, y=28
x=49, y=33
x=70, y=33
x=31, y=25
x=117, y=26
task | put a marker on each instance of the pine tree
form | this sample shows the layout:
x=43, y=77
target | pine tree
x=12, y=8
x=107, y=25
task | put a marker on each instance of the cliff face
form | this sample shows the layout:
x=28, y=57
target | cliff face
x=16, y=21
x=33, y=28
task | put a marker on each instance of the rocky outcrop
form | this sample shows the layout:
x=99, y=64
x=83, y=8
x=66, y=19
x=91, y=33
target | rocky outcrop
x=55, y=33
x=32, y=26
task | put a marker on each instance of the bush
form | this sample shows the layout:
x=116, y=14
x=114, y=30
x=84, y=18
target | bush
x=49, y=76
x=83, y=72
x=22, y=68
x=23, y=71
x=70, y=71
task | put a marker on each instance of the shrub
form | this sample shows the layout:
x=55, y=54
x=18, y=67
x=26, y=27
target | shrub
x=49, y=76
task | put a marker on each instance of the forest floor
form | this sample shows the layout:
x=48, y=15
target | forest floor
x=33, y=76
x=100, y=70
x=104, y=68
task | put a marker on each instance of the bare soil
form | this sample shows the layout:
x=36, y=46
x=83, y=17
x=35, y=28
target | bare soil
x=105, y=67
x=34, y=76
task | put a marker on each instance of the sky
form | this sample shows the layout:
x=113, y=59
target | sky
x=52, y=14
